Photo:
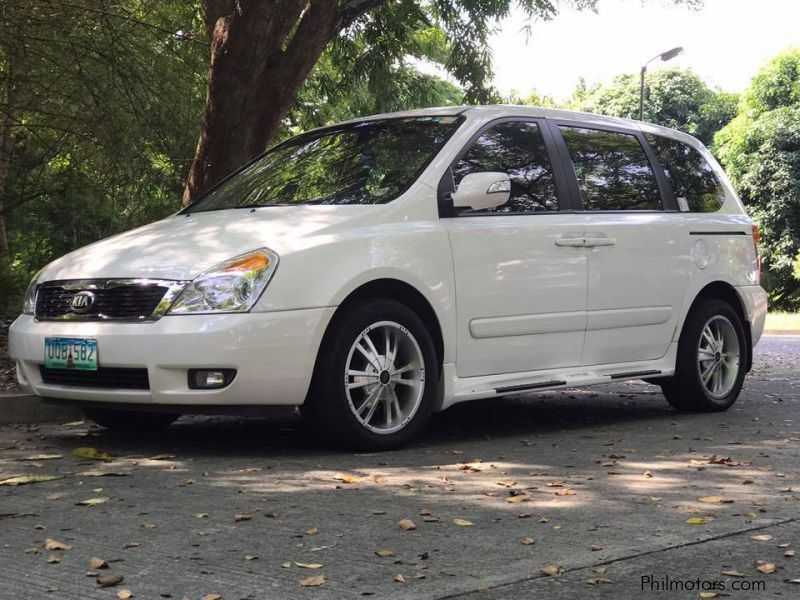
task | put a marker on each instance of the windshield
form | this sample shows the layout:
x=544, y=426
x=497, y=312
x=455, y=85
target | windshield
x=370, y=162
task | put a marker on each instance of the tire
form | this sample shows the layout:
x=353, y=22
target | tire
x=711, y=323
x=130, y=420
x=355, y=400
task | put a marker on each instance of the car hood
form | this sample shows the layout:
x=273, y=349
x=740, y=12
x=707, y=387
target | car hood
x=183, y=246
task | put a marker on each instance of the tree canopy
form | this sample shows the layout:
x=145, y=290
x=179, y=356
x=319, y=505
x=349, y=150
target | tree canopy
x=760, y=150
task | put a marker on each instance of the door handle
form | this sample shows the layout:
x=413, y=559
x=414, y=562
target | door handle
x=591, y=242
x=577, y=242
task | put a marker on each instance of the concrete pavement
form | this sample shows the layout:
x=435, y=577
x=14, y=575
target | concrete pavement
x=601, y=484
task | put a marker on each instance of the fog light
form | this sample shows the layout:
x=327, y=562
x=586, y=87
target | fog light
x=210, y=379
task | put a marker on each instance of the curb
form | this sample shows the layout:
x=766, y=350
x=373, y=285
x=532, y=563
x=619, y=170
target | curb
x=24, y=408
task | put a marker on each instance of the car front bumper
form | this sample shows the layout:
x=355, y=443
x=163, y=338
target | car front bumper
x=273, y=354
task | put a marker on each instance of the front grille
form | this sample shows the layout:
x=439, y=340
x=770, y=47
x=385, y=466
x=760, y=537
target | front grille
x=104, y=377
x=125, y=301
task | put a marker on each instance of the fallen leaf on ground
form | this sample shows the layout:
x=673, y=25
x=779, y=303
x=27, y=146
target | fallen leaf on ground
x=407, y=524
x=212, y=597
x=345, y=478
x=110, y=580
x=463, y=522
x=91, y=454
x=761, y=538
x=565, y=492
x=697, y=521
x=93, y=501
x=709, y=595
x=313, y=581
x=97, y=563
x=399, y=578
x=595, y=548
x=124, y=594
x=599, y=570
x=527, y=541
x=308, y=565
x=312, y=531
x=201, y=515
x=250, y=557
x=518, y=498
x=53, y=559
x=286, y=565
x=714, y=499
x=733, y=573
x=765, y=567
x=552, y=570
x=384, y=553
x=240, y=518
x=598, y=581
x=789, y=554
x=131, y=545
x=271, y=514
x=51, y=544
x=26, y=479
x=424, y=512
x=647, y=474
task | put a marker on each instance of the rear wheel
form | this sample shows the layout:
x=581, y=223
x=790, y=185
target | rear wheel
x=712, y=352
x=376, y=378
x=130, y=420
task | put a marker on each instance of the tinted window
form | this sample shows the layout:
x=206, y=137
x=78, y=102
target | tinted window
x=516, y=148
x=612, y=170
x=689, y=174
x=370, y=162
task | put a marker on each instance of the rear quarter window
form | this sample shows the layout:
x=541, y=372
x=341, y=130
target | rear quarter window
x=689, y=174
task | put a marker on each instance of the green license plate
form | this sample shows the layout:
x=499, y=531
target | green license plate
x=70, y=353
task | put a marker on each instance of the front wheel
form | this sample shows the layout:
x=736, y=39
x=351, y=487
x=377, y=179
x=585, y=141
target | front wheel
x=130, y=420
x=712, y=352
x=376, y=378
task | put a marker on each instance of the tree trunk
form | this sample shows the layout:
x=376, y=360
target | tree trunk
x=261, y=53
x=7, y=142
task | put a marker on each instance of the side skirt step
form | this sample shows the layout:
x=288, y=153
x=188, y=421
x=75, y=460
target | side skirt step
x=632, y=374
x=529, y=386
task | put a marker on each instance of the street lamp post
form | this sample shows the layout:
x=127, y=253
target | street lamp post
x=664, y=56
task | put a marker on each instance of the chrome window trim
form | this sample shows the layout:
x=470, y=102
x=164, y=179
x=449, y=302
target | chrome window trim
x=173, y=290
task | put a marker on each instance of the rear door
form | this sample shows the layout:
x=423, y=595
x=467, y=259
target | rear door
x=520, y=272
x=637, y=246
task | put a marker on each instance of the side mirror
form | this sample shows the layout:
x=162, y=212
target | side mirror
x=482, y=190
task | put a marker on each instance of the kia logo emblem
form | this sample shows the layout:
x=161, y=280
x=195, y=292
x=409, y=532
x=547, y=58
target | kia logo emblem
x=82, y=302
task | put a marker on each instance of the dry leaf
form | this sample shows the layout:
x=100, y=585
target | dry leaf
x=53, y=559
x=595, y=548
x=51, y=544
x=599, y=570
x=527, y=541
x=345, y=478
x=463, y=522
x=518, y=498
x=240, y=518
x=761, y=538
x=424, y=512
x=201, y=515
x=110, y=580
x=765, y=567
x=312, y=531
x=430, y=519
x=647, y=474
x=384, y=553
x=124, y=594
x=97, y=563
x=709, y=595
x=272, y=514
x=26, y=479
x=789, y=554
x=714, y=499
x=92, y=501
x=733, y=573
x=598, y=581
x=565, y=492
x=91, y=454
x=313, y=581
x=407, y=524
x=399, y=578
x=212, y=597
x=250, y=557
x=697, y=521
x=308, y=565
x=131, y=545
x=286, y=565
x=552, y=570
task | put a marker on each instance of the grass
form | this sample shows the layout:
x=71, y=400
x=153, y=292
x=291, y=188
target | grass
x=783, y=321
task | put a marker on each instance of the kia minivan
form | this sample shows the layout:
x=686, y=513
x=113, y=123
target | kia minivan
x=381, y=269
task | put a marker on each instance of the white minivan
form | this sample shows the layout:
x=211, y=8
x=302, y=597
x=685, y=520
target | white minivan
x=378, y=270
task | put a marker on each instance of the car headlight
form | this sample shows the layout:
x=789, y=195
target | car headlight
x=232, y=286
x=29, y=305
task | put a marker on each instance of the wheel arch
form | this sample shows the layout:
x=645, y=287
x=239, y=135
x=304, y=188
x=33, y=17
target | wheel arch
x=721, y=290
x=401, y=291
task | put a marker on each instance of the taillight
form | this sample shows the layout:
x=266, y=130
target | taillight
x=756, y=238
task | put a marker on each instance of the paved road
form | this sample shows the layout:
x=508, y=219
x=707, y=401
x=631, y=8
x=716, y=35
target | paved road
x=606, y=480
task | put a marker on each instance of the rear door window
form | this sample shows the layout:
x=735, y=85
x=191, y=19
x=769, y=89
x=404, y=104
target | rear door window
x=688, y=172
x=518, y=149
x=612, y=170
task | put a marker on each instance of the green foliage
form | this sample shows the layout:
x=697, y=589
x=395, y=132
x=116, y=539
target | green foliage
x=760, y=150
x=675, y=98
